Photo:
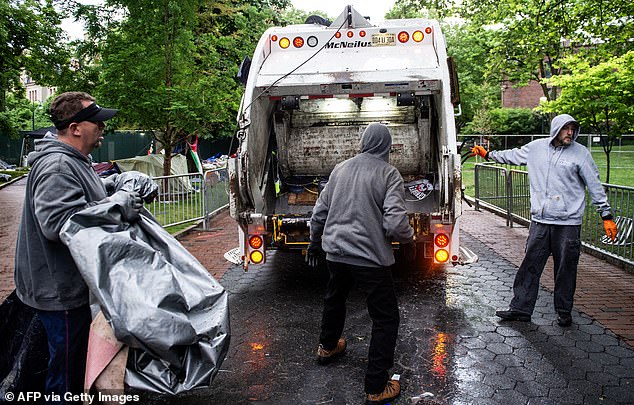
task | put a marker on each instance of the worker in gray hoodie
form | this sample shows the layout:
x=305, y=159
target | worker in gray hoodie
x=358, y=215
x=559, y=171
x=62, y=182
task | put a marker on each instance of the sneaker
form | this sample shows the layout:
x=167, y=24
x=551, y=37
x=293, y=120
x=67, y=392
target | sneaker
x=392, y=390
x=511, y=315
x=564, y=319
x=326, y=356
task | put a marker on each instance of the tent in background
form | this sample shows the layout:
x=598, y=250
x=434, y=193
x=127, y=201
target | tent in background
x=152, y=165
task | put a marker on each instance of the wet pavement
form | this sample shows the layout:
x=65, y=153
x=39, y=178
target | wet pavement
x=450, y=342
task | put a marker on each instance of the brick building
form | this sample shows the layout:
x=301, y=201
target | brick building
x=521, y=97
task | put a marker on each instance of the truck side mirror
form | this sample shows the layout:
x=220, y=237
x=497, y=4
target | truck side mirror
x=453, y=81
x=243, y=72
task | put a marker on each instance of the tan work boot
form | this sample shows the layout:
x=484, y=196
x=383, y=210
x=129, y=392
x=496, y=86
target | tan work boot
x=392, y=390
x=326, y=356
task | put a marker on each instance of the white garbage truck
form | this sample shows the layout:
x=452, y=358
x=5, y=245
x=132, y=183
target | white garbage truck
x=311, y=90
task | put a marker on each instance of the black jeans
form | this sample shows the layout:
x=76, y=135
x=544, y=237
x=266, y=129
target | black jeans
x=564, y=243
x=377, y=283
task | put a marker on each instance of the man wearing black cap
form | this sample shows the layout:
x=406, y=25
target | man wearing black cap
x=62, y=182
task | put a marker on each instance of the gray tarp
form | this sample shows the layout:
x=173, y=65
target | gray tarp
x=159, y=300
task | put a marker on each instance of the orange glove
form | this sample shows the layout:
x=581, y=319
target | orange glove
x=480, y=151
x=610, y=228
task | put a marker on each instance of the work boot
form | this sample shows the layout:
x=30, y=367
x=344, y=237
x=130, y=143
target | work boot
x=564, y=319
x=512, y=315
x=392, y=390
x=326, y=356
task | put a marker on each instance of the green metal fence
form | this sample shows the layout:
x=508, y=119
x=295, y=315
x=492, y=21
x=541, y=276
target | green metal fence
x=506, y=191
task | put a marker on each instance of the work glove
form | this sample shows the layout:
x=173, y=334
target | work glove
x=610, y=228
x=480, y=151
x=409, y=252
x=313, y=253
x=130, y=203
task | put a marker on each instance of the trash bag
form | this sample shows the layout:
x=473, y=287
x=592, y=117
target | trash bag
x=24, y=361
x=158, y=299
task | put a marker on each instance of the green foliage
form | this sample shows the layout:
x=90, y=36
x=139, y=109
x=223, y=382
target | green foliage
x=470, y=45
x=22, y=115
x=600, y=97
x=505, y=121
x=31, y=40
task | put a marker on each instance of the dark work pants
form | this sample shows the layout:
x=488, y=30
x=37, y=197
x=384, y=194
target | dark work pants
x=564, y=243
x=377, y=283
x=67, y=335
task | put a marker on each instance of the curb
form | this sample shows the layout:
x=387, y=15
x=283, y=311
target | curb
x=13, y=180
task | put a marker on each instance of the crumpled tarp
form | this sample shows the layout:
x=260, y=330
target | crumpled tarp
x=158, y=299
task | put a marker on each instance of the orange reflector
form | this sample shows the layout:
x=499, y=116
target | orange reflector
x=298, y=42
x=403, y=36
x=350, y=34
x=285, y=43
x=428, y=30
x=337, y=34
x=256, y=241
x=442, y=255
x=418, y=36
x=274, y=38
x=362, y=34
x=256, y=257
x=441, y=240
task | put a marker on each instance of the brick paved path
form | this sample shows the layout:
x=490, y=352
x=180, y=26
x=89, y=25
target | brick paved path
x=605, y=292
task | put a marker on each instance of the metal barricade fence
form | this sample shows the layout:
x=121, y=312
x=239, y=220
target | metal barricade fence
x=189, y=197
x=507, y=192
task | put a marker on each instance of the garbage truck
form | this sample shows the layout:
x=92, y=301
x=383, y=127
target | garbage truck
x=310, y=92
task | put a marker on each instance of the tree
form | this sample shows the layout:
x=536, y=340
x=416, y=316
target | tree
x=600, y=97
x=31, y=40
x=171, y=67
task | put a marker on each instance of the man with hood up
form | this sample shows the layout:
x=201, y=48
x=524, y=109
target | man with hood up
x=62, y=182
x=559, y=171
x=360, y=211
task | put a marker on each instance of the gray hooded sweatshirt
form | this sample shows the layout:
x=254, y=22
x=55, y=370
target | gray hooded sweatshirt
x=362, y=208
x=61, y=182
x=558, y=176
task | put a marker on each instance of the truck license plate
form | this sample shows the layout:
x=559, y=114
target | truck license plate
x=383, y=39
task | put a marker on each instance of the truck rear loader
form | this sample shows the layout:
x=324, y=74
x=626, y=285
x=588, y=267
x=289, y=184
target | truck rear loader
x=311, y=90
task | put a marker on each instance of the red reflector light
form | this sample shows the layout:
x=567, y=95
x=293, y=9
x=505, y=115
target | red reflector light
x=362, y=34
x=256, y=241
x=298, y=42
x=337, y=34
x=274, y=38
x=350, y=34
x=454, y=258
x=441, y=240
x=403, y=36
x=428, y=30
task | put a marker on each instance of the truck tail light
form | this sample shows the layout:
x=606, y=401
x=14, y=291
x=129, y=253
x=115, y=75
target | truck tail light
x=256, y=249
x=441, y=247
x=418, y=36
x=298, y=42
x=285, y=43
x=403, y=36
